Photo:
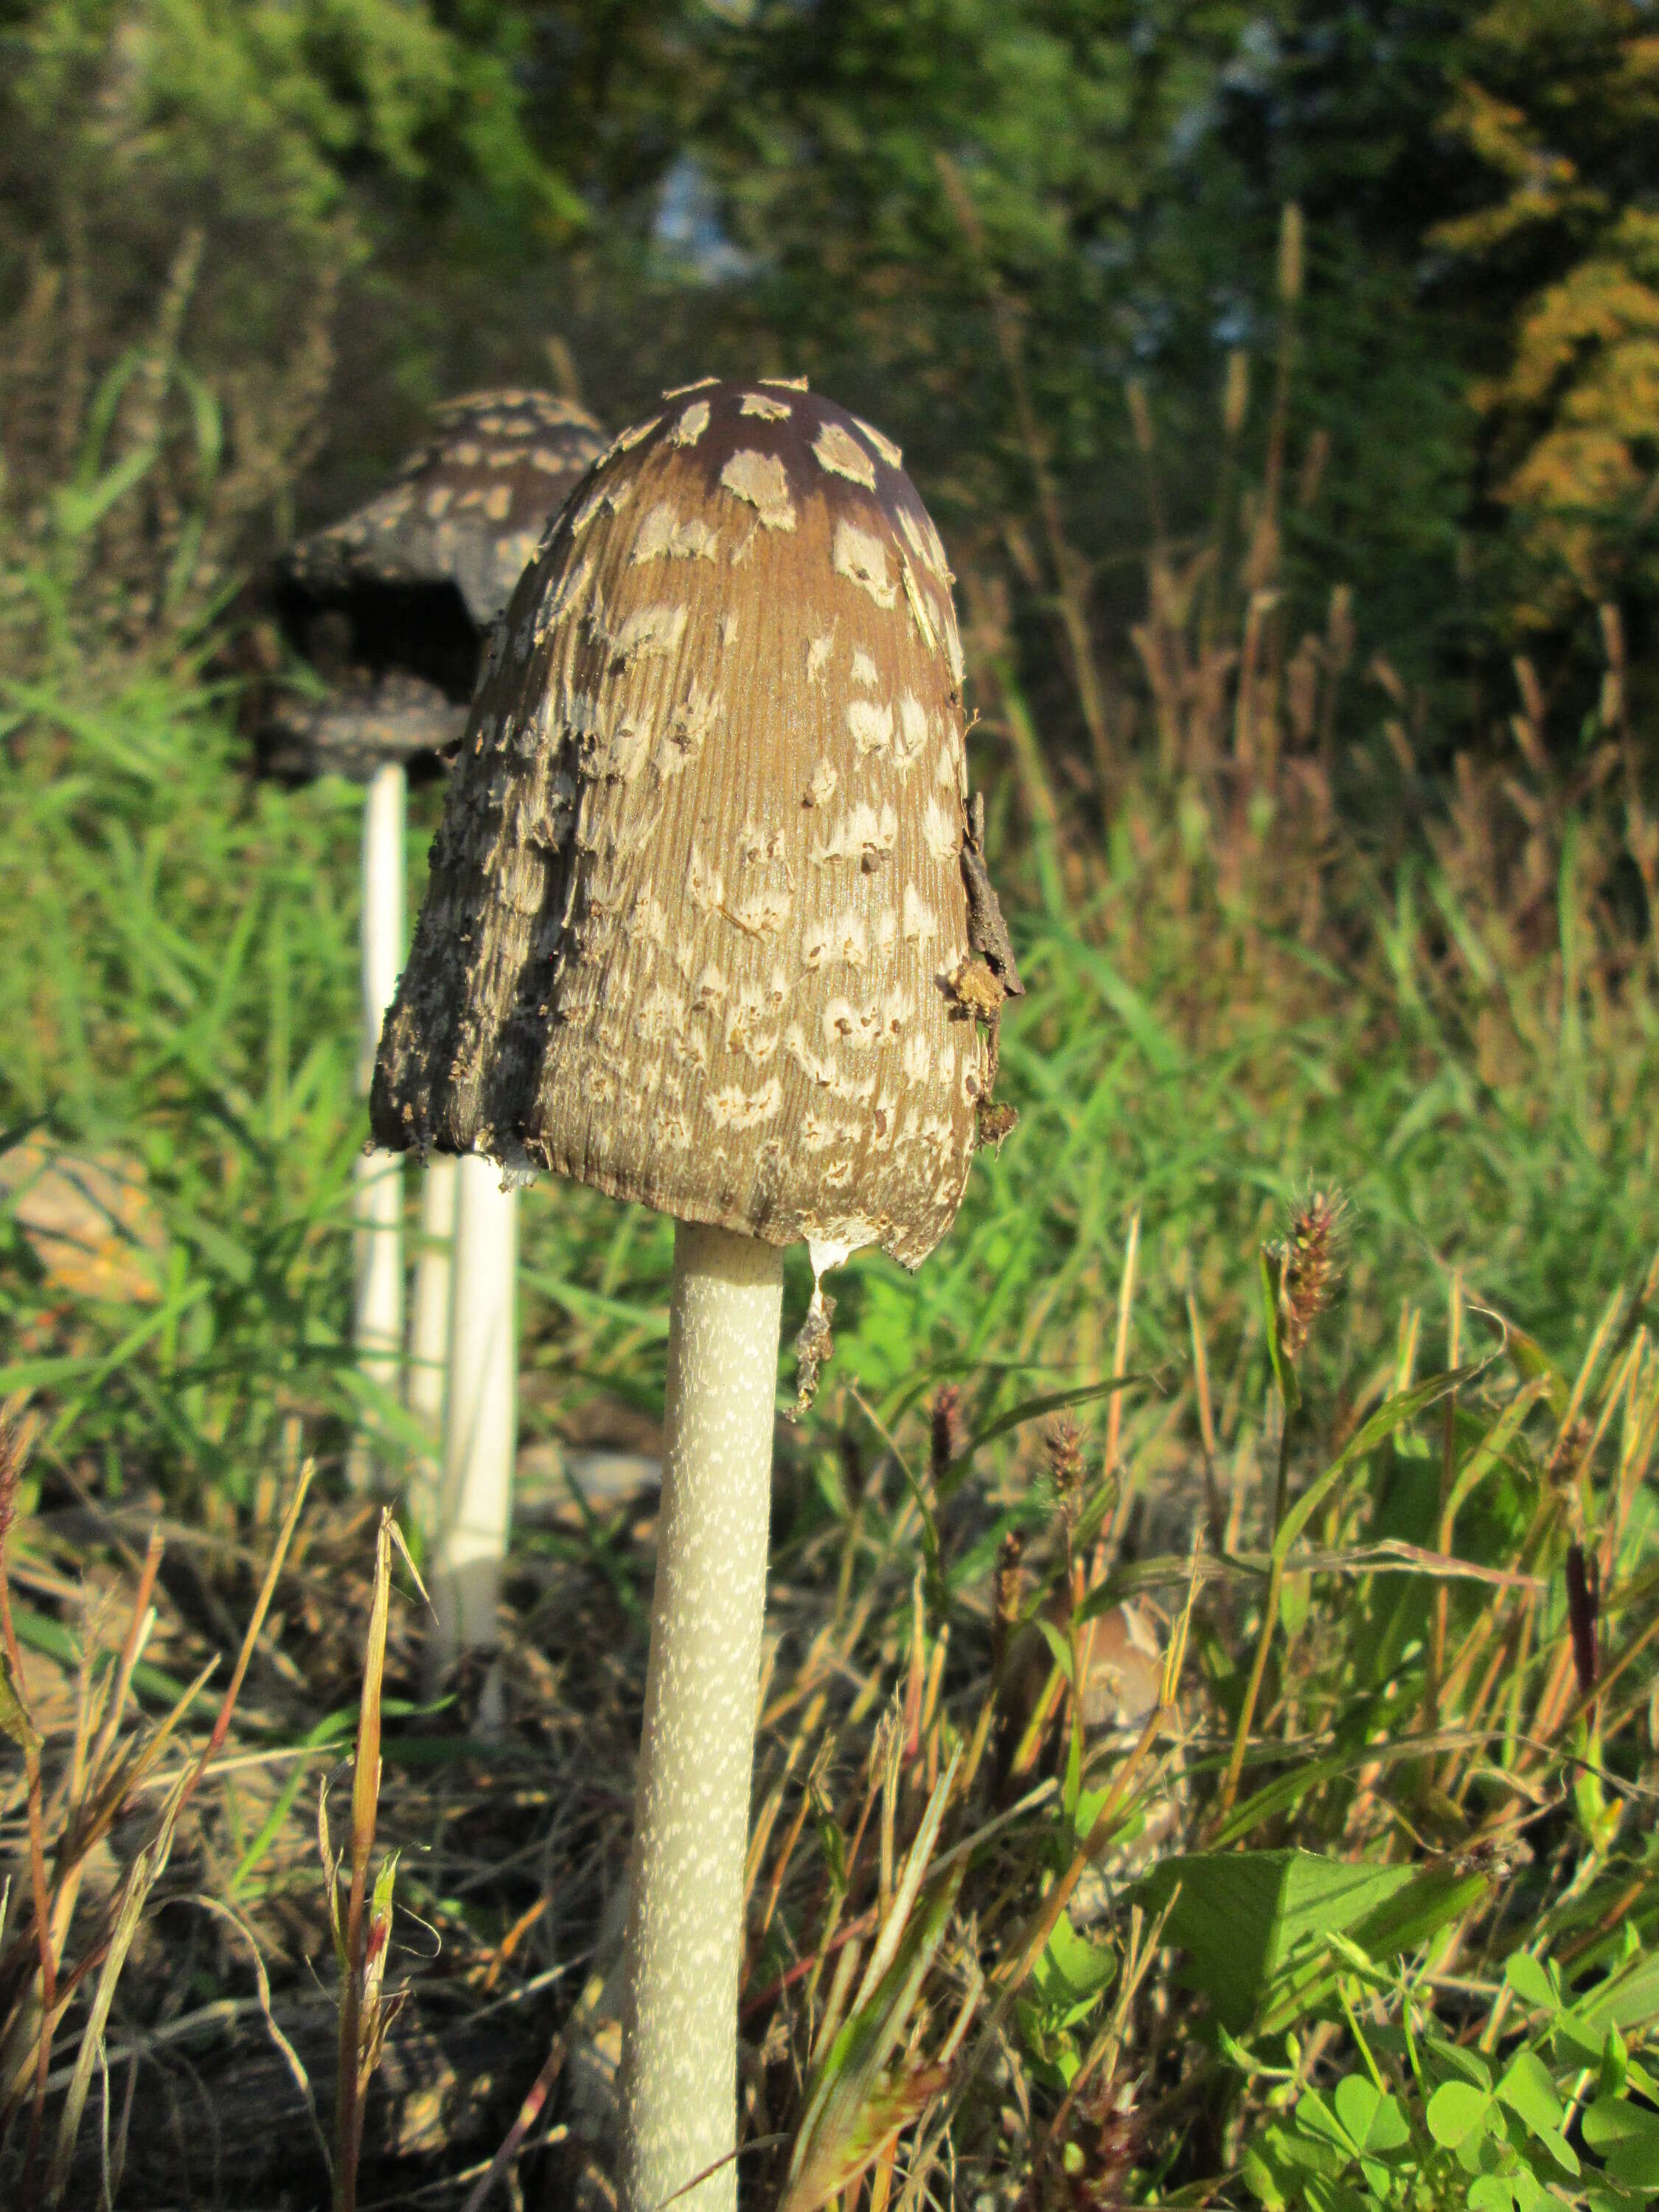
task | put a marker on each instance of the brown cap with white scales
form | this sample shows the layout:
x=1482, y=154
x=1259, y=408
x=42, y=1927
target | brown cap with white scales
x=698, y=924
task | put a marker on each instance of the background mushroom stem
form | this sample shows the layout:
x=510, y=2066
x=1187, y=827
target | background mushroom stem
x=697, y=1751
x=377, y=1194
x=428, y=1321
x=466, y=1536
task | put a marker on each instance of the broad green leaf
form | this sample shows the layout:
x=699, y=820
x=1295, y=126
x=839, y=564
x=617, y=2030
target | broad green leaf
x=1573, y=2038
x=1090, y=1804
x=1257, y=2177
x=1527, y=1976
x=1379, y=2179
x=1071, y=1972
x=1316, y=2118
x=1335, y=2195
x=1312, y=2153
x=1526, y=2088
x=1505, y=2193
x=1358, y=2103
x=1627, y=2136
x=1418, y=1909
x=1628, y=2000
x=1241, y=1914
x=1373, y=2119
x=1559, y=2148
x=1458, y=2111
x=1462, y=2065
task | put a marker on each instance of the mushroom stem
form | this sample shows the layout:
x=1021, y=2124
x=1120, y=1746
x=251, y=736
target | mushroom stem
x=678, y=2080
x=466, y=1538
x=378, y=1192
x=428, y=1325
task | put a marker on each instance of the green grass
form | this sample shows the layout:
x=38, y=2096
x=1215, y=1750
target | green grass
x=178, y=985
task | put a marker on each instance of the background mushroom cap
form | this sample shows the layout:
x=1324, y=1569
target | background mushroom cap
x=697, y=901
x=466, y=508
x=356, y=729
x=409, y=585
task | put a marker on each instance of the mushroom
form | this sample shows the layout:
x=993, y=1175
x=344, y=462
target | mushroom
x=695, y=911
x=392, y=606
x=1120, y=1666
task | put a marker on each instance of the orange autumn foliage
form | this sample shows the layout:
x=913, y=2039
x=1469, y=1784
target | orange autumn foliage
x=1573, y=421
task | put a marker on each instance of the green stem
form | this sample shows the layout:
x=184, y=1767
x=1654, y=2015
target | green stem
x=1282, y=1484
x=1269, y=1622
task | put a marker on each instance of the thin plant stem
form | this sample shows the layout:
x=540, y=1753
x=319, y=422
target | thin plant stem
x=1436, y=1667
x=1229, y=1781
x=365, y=1802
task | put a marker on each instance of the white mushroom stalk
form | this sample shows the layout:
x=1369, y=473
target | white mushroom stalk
x=466, y=1537
x=378, y=1189
x=696, y=1749
x=428, y=1321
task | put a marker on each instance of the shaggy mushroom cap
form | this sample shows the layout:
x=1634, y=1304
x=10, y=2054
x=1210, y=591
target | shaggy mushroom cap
x=391, y=605
x=698, y=917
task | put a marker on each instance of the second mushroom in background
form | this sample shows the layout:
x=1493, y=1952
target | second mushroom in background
x=392, y=607
x=699, y=933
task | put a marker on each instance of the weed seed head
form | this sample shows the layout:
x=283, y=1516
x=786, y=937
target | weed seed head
x=1065, y=1465
x=947, y=1437
x=1310, y=1261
